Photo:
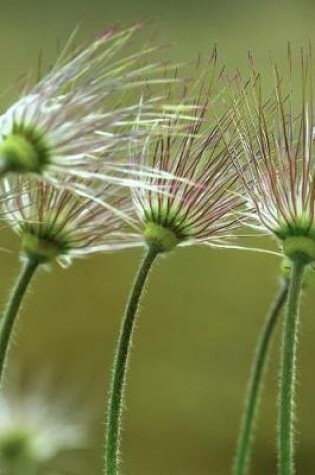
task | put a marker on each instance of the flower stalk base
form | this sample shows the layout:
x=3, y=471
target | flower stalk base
x=288, y=372
x=116, y=395
x=8, y=320
x=245, y=442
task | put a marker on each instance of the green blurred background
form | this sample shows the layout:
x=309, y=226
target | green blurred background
x=203, y=310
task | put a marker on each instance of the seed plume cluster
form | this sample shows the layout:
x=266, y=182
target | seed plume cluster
x=201, y=203
x=101, y=155
x=273, y=151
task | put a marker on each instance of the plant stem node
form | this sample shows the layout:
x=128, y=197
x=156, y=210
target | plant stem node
x=163, y=238
x=299, y=247
x=41, y=249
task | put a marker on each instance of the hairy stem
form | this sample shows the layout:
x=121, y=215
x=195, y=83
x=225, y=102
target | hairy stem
x=288, y=372
x=120, y=366
x=10, y=314
x=245, y=441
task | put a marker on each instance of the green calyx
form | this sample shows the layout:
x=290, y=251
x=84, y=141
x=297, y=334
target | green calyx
x=24, y=151
x=163, y=238
x=299, y=248
x=41, y=249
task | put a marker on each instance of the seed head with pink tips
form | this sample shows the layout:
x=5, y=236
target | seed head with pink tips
x=274, y=155
x=80, y=110
x=64, y=222
x=200, y=204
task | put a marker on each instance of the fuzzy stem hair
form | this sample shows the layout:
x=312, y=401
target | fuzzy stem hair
x=245, y=442
x=117, y=390
x=10, y=314
x=288, y=372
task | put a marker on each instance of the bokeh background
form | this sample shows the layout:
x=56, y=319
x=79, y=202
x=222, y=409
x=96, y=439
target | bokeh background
x=203, y=309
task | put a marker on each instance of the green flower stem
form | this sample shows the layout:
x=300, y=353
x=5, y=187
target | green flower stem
x=255, y=383
x=120, y=366
x=29, y=267
x=288, y=370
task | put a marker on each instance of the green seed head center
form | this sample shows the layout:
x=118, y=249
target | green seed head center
x=42, y=249
x=24, y=151
x=163, y=238
x=299, y=247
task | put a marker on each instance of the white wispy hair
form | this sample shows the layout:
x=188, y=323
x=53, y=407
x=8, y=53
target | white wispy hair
x=79, y=112
x=41, y=425
x=68, y=218
x=273, y=151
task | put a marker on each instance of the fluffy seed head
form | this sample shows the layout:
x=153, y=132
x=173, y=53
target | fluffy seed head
x=74, y=114
x=62, y=223
x=199, y=204
x=38, y=434
x=277, y=142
